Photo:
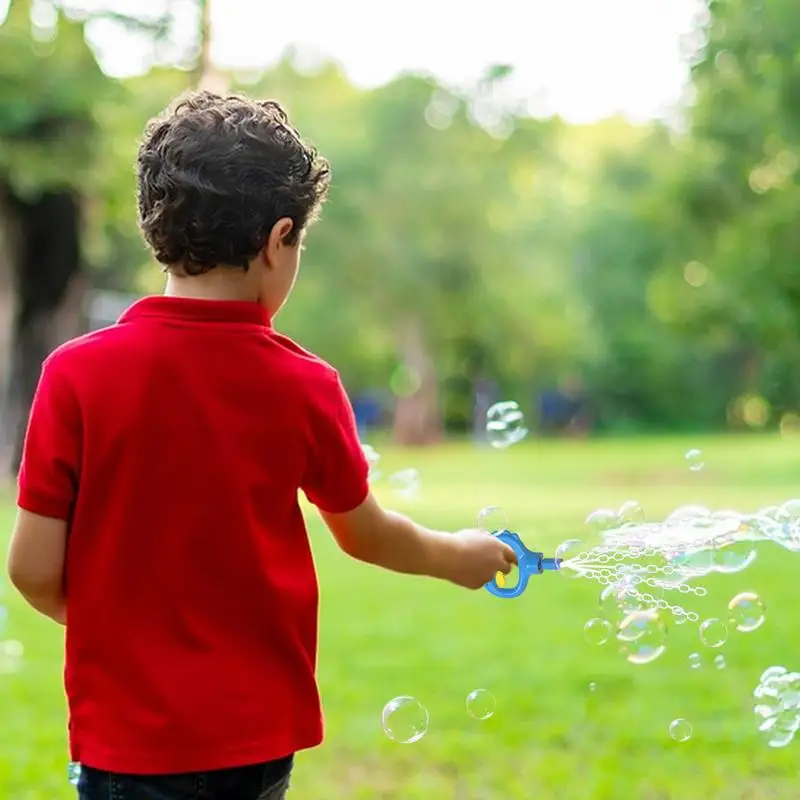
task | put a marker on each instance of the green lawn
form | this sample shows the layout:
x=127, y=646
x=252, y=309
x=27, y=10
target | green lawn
x=551, y=737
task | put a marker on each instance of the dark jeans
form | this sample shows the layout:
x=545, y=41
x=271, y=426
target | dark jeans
x=269, y=781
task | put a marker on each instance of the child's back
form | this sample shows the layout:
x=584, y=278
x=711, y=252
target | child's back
x=159, y=516
x=190, y=578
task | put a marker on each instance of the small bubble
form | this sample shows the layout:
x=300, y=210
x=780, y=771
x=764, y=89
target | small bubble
x=719, y=661
x=680, y=730
x=492, y=519
x=11, y=655
x=505, y=424
x=747, y=612
x=642, y=636
x=373, y=459
x=481, y=704
x=602, y=520
x=695, y=660
x=405, y=484
x=713, y=632
x=694, y=460
x=597, y=631
x=592, y=686
x=73, y=773
x=405, y=720
x=631, y=512
x=566, y=554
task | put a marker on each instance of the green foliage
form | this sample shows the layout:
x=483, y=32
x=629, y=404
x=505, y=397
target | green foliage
x=658, y=265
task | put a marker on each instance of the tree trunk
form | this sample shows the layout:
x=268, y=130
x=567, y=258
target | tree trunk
x=418, y=416
x=42, y=254
x=206, y=75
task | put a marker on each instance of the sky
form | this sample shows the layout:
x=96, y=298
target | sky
x=583, y=59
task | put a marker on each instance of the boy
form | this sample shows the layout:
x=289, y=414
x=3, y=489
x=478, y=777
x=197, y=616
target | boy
x=158, y=495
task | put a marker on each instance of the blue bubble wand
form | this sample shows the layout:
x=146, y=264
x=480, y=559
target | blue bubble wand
x=529, y=563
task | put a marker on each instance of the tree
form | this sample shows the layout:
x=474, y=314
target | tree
x=50, y=83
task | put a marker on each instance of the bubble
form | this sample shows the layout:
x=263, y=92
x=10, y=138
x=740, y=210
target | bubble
x=713, y=632
x=642, y=636
x=505, y=424
x=618, y=600
x=719, y=661
x=602, y=520
x=694, y=460
x=405, y=483
x=11, y=655
x=631, y=512
x=597, y=631
x=746, y=612
x=405, y=720
x=680, y=730
x=492, y=519
x=481, y=704
x=695, y=660
x=592, y=686
x=73, y=773
x=770, y=673
x=567, y=554
x=373, y=459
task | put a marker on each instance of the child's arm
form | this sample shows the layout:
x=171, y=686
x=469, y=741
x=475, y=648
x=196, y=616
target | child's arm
x=36, y=562
x=370, y=533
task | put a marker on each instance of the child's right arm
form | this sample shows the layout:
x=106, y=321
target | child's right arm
x=336, y=482
x=370, y=533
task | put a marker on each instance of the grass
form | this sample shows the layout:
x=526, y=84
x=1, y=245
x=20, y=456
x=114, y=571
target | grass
x=551, y=737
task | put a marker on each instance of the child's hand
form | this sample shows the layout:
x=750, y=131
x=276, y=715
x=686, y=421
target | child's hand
x=479, y=556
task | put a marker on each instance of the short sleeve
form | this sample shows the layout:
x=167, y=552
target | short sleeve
x=337, y=472
x=48, y=477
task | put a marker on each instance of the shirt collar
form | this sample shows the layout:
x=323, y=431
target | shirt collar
x=185, y=309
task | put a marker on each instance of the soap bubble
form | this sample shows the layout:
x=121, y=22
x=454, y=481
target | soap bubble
x=695, y=660
x=713, y=632
x=492, y=519
x=373, y=459
x=680, y=730
x=631, y=512
x=719, y=661
x=642, y=636
x=481, y=704
x=566, y=553
x=405, y=720
x=11, y=655
x=73, y=773
x=602, y=520
x=777, y=706
x=405, y=483
x=505, y=424
x=747, y=612
x=694, y=460
x=597, y=631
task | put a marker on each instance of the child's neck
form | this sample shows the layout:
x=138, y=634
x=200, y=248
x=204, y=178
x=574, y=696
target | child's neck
x=214, y=285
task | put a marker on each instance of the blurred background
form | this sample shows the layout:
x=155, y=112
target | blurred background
x=585, y=206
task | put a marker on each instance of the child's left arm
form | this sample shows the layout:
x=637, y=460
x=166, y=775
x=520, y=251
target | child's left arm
x=36, y=562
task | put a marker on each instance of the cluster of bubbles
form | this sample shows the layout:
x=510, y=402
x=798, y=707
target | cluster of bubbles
x=777, y=705
x=405, y=719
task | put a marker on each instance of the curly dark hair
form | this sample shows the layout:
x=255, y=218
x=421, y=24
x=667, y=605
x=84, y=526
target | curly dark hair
x=214, y=175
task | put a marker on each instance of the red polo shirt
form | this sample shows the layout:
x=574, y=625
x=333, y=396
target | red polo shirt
x=175, y=443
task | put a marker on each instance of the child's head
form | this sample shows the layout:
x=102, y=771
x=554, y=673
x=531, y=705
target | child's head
x=226, y=189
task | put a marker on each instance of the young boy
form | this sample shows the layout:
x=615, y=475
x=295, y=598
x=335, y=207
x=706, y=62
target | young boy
x=158, y=496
